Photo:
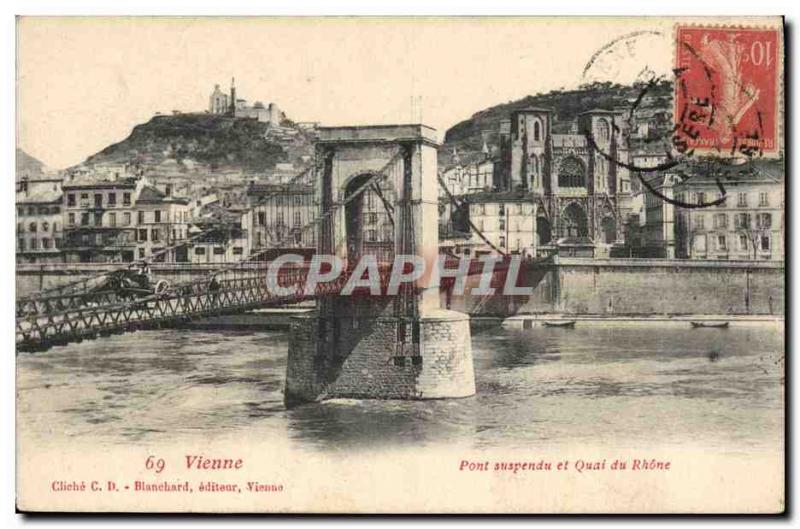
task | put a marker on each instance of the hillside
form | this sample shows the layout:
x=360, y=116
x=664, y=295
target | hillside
x=28, y=166
x=197, y=144
x=467, y=136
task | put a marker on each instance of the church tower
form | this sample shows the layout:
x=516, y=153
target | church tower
x=233, y=97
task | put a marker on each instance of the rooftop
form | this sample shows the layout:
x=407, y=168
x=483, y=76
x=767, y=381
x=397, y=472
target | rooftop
x=47, y=196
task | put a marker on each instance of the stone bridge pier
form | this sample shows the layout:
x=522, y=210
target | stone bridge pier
x=393, y=347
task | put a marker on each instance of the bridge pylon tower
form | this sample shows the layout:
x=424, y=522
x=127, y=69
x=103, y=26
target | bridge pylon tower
x=402, y=346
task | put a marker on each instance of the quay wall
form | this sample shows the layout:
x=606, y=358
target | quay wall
x=642, y=286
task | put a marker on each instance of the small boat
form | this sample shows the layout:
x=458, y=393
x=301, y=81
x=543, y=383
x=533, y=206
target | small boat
x=710, y=325
x=564, y=324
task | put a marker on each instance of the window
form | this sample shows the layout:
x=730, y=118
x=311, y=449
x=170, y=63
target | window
x=112, y=200
x=519, y=208
x=126, y=219
x=98, y=219
x=603, y=130
x=262, y=218
x=20, y=227
x=126, y=199
x=143, y=235
x=765, y=243
x=140, y=217
x=238, y=250
x=71, y=199
x=112, y=220
x=699, y=222
x=571, y=173
x=56, y=210
x=32, y=227
x=45, y=244
x=502, y=224
x=742, y=200
x=199, y=250
x=763, y=199
x=21, y=244
x=743, y=242
x=764, y=220
x=71, y=219
x=297, y=217
x=154, y=235
x=501, y=210
x=722, y=242
x=371, y=235
x=20, y=211
x=45, y=226
x=84, y=219
x=701, y=198
x=742, y=220
x=720, y=221
x=219, y=250
x=98, y=200
x=279, y=218
x=157, y=215
x=502, y=242
x=141, y=253
x=34, y=244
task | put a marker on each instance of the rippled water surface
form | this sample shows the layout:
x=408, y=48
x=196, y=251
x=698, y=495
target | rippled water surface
x=545, y=386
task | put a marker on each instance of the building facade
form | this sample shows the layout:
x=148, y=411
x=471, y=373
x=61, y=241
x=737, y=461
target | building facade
x=580, y=193
x=100, y=219
x=277, y=216
x=224, y=104
x=39, y=222
x=506, y=219
x=749, y=224
x=162, y=221
x=227, y=239
x=218, y=102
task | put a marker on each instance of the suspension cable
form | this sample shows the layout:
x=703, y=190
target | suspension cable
x=469, y=221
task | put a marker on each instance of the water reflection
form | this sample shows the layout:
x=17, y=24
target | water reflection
x=544, y=386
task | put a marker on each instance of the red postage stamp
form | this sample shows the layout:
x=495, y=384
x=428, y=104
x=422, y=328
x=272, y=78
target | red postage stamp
x=727, y=96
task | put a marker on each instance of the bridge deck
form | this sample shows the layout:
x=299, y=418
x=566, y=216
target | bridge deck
x=59, y=319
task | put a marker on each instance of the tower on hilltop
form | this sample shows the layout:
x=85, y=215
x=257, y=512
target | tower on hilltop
x=232, y=109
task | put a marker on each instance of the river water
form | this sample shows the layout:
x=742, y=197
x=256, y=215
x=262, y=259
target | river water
x=620, y=386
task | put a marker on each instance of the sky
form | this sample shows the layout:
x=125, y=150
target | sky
x=84, y=83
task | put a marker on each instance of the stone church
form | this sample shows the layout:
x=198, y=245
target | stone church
x=581, y=194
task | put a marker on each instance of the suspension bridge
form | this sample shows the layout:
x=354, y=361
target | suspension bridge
x=119, y=301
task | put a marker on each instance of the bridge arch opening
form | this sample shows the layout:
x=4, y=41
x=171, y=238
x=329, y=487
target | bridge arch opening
x=368, y=221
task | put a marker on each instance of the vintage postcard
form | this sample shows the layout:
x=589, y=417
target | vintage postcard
x=400, y=265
